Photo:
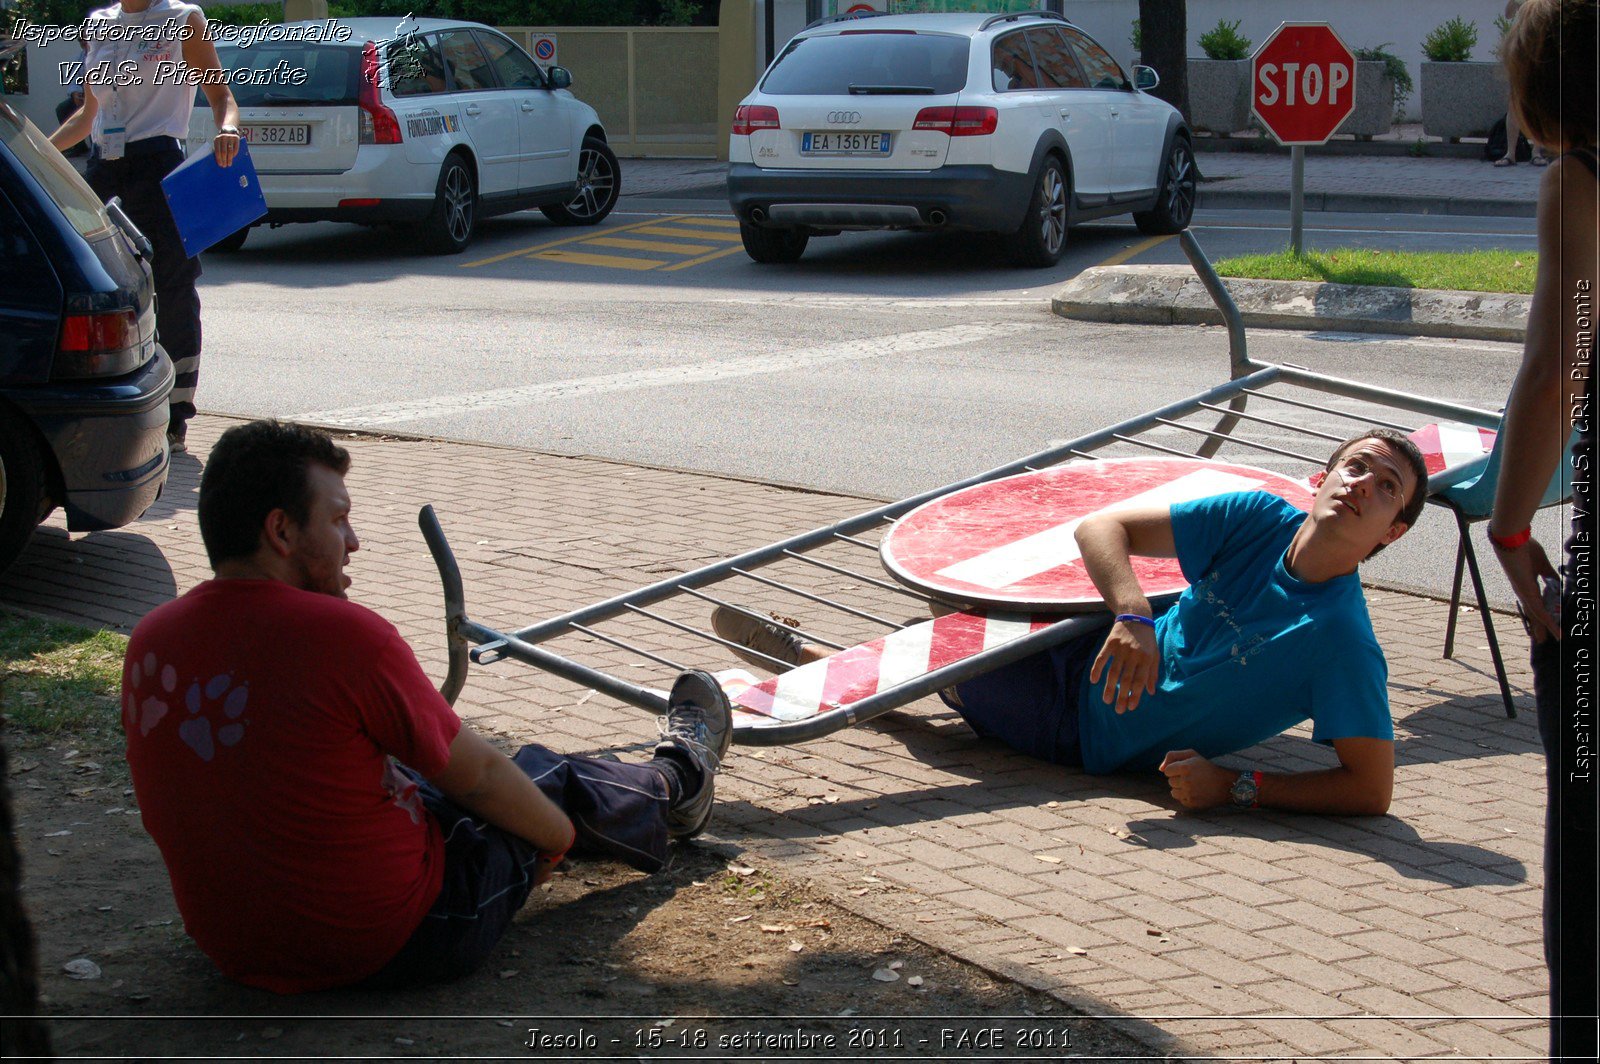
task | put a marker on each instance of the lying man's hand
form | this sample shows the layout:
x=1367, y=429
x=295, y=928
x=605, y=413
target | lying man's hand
x=1131, y=661
x=1195, y=782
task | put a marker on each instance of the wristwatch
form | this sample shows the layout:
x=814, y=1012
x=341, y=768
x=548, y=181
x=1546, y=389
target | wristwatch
x=232, y=131
x=1246, y=791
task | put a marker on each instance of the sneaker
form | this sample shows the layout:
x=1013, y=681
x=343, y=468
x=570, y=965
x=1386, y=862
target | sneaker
x=177, y=441
x=699, y=725
x=774, y=647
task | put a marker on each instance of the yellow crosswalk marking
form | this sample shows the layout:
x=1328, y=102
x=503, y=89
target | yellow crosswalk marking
x=504, y=255
x=584, y=259
x=720, y=223
x=703, y=258
x=649, y=245
x=697, y=234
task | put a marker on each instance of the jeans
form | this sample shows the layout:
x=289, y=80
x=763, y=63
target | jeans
x=619, y=809
x=1031, y=705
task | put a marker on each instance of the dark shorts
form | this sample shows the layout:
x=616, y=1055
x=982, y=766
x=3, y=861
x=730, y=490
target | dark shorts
x=1032, y=705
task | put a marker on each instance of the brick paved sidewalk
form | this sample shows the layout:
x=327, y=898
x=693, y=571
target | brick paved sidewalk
x=1416, y=934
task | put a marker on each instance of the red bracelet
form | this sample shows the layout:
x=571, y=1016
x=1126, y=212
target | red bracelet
x=1513, y=541
x=556, y=858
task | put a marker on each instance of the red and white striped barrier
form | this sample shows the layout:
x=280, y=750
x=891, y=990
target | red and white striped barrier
x=854, y=674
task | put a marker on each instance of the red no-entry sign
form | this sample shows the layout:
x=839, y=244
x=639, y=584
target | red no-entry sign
x=1303, y=83
x=1010, y=542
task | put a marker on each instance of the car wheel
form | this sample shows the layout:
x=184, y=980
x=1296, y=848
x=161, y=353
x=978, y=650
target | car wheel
x=1175, y=202
x=599, y=185
x=450, y=225
x=232, y=242
x=21, y=487
x=773, y=245
x=1043, y=235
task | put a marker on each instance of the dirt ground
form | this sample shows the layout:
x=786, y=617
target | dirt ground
x=714, y=959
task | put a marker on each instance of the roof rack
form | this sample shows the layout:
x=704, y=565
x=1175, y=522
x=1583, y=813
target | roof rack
x=1014, y=15
x=848, y=17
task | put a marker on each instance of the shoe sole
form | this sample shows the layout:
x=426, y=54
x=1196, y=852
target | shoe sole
x=700, y=688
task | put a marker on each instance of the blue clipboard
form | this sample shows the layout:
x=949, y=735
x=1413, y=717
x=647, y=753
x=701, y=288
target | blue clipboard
x=209, y=202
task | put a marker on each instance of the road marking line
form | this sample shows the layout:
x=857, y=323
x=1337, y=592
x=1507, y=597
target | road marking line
x=503, y=256
x=704, y=258
x=615, y=262
x=668, y=376
x=1129, y=252
x=649, y=245
x=1058, y=546
x=728, y=223
x=697, y=234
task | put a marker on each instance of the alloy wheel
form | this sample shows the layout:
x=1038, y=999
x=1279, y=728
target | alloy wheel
x=458, y=203
x=1052, y=209
x=1180, y=185
x=596, y=184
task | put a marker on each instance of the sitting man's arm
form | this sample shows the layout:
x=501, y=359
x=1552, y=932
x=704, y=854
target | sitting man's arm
x=1130, y=657
x=480, y=778
x=1362, y=785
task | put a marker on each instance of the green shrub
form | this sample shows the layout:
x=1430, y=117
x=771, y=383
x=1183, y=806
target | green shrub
x=1395, y=69
x=1136, y=38
x=1224, y=42
x=244, y=14
x=1451, y=42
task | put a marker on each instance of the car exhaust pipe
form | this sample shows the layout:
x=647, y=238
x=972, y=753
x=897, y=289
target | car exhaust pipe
x=936, y=217
x=757, y=215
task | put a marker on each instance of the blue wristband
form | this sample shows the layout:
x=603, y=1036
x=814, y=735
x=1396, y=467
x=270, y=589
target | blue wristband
x=1135, y=618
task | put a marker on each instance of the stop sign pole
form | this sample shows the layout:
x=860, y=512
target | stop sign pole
x=1302, y=88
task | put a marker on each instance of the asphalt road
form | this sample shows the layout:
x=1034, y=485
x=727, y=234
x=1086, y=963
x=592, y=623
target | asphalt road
x=881, y=364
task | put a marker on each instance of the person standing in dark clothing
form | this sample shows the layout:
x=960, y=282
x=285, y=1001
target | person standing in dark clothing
x=136, y=106
x=1549, y=55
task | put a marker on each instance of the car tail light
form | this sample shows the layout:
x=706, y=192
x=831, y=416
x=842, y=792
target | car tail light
x=958, y=121
x=751, y=117
x=99, y=345
x=378, y=123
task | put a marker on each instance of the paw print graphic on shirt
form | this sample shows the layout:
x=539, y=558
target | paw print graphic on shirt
x=200, y=729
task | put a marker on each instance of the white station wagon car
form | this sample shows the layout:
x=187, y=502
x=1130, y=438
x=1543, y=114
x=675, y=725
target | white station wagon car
x=427, y=122
x=1017, y=124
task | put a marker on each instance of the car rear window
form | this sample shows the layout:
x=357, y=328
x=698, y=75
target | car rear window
x=50, y=168
x=930, y=63
x=333, y=74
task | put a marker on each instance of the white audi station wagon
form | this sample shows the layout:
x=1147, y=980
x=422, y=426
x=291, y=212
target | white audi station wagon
x=430, y=123
x=1018, y=124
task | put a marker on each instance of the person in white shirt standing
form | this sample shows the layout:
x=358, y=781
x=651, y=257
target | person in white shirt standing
x=136, y=105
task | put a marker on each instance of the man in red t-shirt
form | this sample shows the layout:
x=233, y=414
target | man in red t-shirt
x=325, y=816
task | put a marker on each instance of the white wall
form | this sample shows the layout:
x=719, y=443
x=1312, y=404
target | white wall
x=1360, y=24
x=44, y=85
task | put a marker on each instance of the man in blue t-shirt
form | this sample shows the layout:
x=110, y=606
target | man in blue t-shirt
x=1272, y=630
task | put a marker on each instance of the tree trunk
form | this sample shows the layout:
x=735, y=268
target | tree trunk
x=1164, y=34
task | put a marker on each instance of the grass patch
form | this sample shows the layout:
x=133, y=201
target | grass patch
x=1467, y=271
x=59, y=678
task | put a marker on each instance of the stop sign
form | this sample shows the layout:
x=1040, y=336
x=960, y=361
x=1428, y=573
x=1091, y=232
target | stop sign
x=1302, y=83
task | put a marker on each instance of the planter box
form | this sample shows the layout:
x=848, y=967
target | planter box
x=1462, y=99
x=1374, y=112
x=1219, y=95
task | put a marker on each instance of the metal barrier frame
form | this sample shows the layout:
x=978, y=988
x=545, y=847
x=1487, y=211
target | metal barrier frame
x=481, y=644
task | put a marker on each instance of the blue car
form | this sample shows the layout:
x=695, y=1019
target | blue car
x=83, y=383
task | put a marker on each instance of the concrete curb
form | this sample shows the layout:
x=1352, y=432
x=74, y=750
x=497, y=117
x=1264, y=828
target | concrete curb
x=1365, y=203
x=1173, y=295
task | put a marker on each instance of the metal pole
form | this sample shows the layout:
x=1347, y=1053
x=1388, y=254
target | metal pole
x=1297, y=196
